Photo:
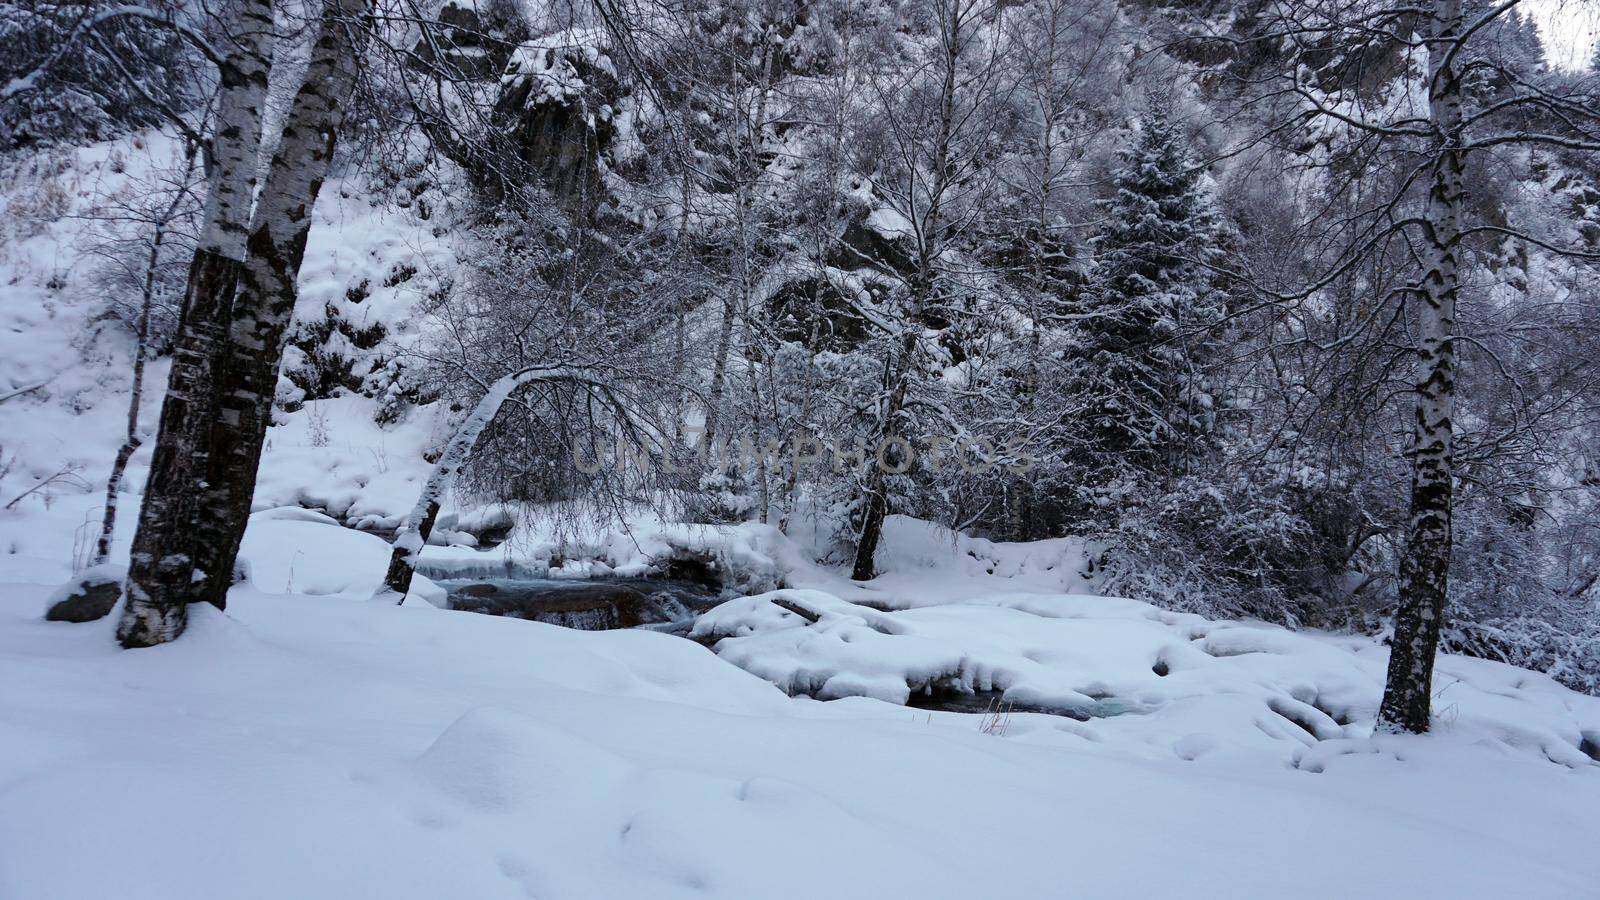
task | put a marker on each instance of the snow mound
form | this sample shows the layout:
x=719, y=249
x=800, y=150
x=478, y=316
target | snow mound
x=105, y=573
x=499, y=761
x=925, y=564
x=331, y=456
x=1171, y=684
x=297, y=551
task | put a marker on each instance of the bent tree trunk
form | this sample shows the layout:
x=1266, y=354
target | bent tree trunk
x=204, y=472
x=1425, y=563
x=418, y=524
x=161, y=571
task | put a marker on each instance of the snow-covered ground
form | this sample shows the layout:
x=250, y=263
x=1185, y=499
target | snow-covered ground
x=326, y=746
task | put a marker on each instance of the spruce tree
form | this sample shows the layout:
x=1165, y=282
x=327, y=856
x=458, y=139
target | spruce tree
x=1137, y=363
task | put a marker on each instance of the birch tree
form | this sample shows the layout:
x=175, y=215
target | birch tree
x=161, y=576
x=1463, y=100
x=219, y=397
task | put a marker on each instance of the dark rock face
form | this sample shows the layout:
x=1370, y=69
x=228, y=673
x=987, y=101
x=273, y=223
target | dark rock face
x=812, y=311
x=465, y=44
x=86, y=603
x=556, y=137
x=864, y=247
x=701, y=570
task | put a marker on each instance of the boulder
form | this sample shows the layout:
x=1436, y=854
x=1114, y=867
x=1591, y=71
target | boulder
x=88, y=597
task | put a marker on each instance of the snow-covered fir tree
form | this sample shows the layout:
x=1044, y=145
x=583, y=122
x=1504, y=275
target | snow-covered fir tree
x=1143, y=330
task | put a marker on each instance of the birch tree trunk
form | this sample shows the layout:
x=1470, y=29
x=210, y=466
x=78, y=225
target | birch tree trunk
x=1425, y=563
x=719, y=370
x=162, y=579
x=264, y=305
x=213, y=462
x=130, y=440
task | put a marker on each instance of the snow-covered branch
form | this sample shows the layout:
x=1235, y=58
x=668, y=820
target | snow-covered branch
x=414, y=530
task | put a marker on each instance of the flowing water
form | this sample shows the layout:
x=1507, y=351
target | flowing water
x=584, y=604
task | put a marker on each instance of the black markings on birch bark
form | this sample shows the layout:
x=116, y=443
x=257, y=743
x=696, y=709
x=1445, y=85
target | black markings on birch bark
x=240, y=296
x=1425, y=561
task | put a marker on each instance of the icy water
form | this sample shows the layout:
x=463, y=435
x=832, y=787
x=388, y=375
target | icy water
x=587, y=604
x=990, y=702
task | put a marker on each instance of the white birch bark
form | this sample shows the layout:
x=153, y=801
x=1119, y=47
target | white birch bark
x=1425, y=563
x=205, y=467
x=236, y=140
x=162, y=577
